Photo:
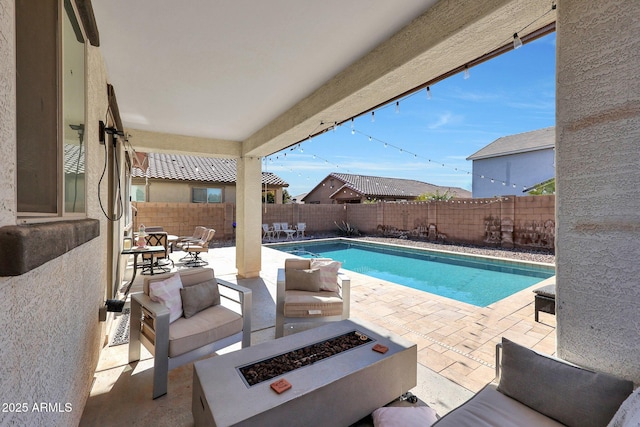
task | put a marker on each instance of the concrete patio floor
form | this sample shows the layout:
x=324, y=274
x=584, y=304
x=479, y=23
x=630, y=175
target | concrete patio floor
x=456, y=343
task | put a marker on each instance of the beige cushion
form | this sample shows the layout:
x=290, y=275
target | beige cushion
x=188, y=334
x=574, y=396
x=167, y=292
x=407, y=416
x=312, y=304
x=328, y=273
x=303, y=280
x=490, y=408
x=196, y=298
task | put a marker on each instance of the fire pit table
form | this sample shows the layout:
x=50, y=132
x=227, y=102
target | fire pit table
x=334, y=375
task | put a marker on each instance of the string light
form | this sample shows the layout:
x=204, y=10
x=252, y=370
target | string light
x=466, y=72
x=517, y=43
x=373, y=117
x=397, y=107
x=428, y=92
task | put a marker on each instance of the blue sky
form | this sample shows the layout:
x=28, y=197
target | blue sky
x=510, y=94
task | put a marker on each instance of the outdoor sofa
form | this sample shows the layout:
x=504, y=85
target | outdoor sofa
x=538, y=390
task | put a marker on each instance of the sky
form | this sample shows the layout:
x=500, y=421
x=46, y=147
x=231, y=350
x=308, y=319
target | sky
x=510, y=94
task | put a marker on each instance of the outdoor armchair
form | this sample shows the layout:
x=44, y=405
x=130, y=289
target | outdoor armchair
x=174, y=339
x=195, y=248
x=311, y=290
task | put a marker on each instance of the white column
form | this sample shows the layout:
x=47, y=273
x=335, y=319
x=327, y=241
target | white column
x=598, y=184
x=248, y=217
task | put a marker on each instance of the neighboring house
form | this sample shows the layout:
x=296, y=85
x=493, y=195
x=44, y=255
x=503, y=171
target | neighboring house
x=514, y=163
x=191, y=179
x=348, y=188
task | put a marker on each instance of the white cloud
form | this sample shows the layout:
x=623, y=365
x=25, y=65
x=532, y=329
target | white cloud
x=445, y=119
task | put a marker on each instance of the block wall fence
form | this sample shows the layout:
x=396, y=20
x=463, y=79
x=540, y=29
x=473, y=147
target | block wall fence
x=509, y=221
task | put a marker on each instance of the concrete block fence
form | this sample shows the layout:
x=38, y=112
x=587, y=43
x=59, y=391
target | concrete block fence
x=508, y=221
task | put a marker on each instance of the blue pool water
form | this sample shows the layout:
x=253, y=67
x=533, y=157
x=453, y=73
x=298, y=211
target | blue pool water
x=474, y=280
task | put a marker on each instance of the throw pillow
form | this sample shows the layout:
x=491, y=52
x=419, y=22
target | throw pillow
x=567, y=393
x=328, y=273
x=303, y=280
x=404, y=416
x=167, y=292
x=196, y=298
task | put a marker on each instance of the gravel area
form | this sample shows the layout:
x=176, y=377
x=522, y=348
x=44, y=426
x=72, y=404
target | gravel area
x=518, y=254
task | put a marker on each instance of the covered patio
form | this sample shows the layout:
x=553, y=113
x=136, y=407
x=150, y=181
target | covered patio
x=456, y=342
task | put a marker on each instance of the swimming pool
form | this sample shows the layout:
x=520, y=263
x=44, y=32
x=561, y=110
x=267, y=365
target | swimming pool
x=472, y=279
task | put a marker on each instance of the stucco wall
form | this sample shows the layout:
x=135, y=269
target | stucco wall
x=523, y=170
x=7, y=113
x=598, y=191
x=50, y=338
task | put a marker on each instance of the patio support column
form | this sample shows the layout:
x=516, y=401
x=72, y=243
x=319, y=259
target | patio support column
x=278, y=196
x=249, y=217
x=598, y=191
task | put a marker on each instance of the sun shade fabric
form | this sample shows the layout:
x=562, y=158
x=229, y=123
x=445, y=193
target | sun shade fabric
x=196, y=298
x=589, y=399
x=303, y=280
x=167, y=292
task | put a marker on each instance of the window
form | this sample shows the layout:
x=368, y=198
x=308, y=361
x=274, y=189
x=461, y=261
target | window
x=206, y=195
x=138, y=193
x=50, y=98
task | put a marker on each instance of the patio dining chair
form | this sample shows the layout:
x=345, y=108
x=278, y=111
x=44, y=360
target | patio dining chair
x=267, y=233
x=194, y=249
x=300, y=229
x=276, y=230
x=160, y=260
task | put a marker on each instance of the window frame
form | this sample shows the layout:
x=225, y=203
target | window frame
x=27, y=217
x=206, y=199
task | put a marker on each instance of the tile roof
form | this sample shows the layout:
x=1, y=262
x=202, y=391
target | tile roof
x=73, y=163
x=376, y=186
x=519, y=143
x=194, y=168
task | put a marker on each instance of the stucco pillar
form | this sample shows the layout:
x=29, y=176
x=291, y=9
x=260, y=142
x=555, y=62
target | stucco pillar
x=248, y=217
x=598, y=185
x=278, y=196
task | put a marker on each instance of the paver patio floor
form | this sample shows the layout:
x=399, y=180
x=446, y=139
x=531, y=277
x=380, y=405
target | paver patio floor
x=456, y=342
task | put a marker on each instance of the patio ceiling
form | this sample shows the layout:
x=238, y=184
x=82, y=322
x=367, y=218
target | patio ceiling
x=248, y=78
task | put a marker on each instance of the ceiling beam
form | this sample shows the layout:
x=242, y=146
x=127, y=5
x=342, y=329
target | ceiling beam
x=158, y=142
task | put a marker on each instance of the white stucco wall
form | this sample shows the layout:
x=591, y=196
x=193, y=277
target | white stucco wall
x=50, y=337
x=523, y=170
x=598, y=185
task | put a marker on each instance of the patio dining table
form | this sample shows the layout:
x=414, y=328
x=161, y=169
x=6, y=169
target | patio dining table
x=135, y=251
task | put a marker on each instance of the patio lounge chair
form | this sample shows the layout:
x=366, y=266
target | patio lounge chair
x=306, y=294
x=195, y=248
x=179, y=330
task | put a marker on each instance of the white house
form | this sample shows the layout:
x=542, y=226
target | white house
x=513, y=163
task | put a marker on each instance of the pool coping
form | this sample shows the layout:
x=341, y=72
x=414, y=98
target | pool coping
x=545, y=265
